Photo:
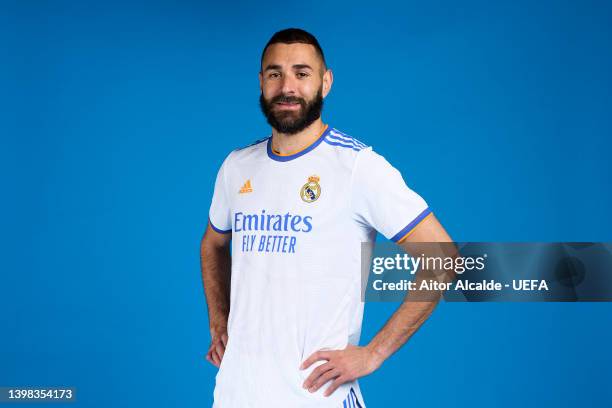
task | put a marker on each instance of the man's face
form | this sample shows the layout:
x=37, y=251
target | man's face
x=293, y=84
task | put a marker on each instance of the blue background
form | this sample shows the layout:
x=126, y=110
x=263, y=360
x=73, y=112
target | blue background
x=116, y=118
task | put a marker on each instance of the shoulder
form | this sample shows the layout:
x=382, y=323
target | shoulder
x=343, y=141
x=249, y=152
x=350, y=150
x=343, y=148
x=254, y=145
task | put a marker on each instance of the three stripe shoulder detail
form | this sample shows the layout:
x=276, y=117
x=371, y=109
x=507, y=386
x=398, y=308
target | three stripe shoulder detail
x=258, y=141
x=337, y=138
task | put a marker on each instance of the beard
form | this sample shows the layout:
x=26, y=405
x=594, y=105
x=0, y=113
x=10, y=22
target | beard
x=292, y=122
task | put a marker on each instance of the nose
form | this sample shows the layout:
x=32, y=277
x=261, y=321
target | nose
x=288, y=86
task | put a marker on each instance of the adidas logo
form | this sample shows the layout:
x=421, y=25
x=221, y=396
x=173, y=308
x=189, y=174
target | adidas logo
x=246, y=188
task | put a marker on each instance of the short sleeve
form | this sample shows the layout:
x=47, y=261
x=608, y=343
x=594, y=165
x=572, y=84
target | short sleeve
x=381, y=199
x=220, y=211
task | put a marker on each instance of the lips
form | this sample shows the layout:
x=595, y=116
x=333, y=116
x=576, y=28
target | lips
x=288, y=105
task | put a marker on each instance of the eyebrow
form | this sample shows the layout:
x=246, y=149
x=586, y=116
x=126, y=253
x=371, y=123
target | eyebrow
x=302, y=66
x=295, y=66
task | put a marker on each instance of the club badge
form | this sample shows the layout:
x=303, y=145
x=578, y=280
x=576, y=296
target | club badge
x=311, y=191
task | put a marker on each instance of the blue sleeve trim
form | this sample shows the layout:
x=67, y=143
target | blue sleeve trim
x=408, y=228
x=220, y=231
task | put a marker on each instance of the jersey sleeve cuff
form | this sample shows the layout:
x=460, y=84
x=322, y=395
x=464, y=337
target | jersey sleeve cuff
x=408, y=229
x=219, y=230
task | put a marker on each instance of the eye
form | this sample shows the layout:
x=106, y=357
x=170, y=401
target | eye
x=274, y=75
x=302, y=75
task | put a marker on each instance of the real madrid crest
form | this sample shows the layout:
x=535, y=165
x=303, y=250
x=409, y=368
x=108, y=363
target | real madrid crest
x=311, y=191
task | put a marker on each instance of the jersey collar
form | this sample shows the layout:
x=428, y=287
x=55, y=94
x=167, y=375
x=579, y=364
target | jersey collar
x=284, y=158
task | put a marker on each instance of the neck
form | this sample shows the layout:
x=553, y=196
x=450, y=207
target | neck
x=286, y=144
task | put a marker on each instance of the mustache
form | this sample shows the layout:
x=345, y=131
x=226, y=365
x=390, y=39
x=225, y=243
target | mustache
x=287, y=99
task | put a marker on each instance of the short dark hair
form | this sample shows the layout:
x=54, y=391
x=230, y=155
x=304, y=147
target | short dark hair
x=293, y=36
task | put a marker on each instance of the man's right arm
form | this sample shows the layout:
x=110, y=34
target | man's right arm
x=216, y=275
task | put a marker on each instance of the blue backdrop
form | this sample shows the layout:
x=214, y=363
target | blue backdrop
x=116, y=118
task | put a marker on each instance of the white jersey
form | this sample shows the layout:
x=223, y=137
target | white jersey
x=297, y=223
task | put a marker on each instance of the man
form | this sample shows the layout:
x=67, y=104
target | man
x=285, y=309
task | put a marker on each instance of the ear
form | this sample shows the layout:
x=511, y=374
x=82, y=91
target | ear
x=260, y=81
x=328, y=79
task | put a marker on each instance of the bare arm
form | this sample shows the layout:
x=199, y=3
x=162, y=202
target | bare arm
x=216, y=275
x=411, y=314
x=354, y=362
